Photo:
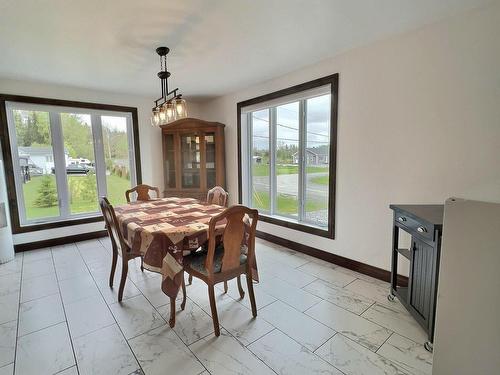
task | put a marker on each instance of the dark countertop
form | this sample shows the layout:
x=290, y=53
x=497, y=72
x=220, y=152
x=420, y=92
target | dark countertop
x=432, y=213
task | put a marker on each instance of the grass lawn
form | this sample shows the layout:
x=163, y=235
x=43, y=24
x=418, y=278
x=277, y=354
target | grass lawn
x=321, y=180
x=286, y=204
x=82, y=200
x=263, y=169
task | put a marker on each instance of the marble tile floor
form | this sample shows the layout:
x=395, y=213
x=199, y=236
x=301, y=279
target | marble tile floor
x=59, y=316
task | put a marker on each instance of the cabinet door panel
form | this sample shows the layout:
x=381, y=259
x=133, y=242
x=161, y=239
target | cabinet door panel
x=169, y=162
x=422, y=278
x=191, y=161
x=211, y=160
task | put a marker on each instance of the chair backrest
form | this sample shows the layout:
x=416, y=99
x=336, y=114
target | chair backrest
x=239, y=234
x=142, y=192
x=217, y=195
x=112, y=226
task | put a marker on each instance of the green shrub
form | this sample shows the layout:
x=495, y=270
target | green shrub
x=47, y=193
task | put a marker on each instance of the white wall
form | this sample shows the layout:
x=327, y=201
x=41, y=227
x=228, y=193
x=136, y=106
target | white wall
x=467, y=329
x=149, y=137
x=418, y=121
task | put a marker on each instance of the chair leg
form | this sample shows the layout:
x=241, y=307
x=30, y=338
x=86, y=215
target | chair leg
x=142, y=264
x=113, y=268
x=225, y=286
x=171, y=322
x=240, y=289
x=190, y=279
x=183, y=304
x=123, y=280
x=213, y=307
x=251, y=294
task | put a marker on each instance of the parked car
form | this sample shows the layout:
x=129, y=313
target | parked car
x=75, y=169
x=35, y=171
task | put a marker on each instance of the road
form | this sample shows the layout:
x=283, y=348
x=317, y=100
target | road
x=289, y=184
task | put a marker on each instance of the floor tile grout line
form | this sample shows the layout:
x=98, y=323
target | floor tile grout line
x=349, y=283
x=38, y=298
x=387, y=339
x=8, y=364
x=93, y=331
x=18, y=316
x=67, y=368
x=368, y=308
x=65, y=317
x=335, y=334
x=41, y=329
x=250, y=350
x=305, y=312
x=312, y=317
x=333, y=287
x=175, y=333
x=316, y=279
x=111, y=312
x=390, y=329
x=229, y=332
x=302, y=345
x=324, y=342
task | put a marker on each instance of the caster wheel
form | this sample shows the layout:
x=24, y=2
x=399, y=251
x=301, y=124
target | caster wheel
x=390, y=297
x=428, y=346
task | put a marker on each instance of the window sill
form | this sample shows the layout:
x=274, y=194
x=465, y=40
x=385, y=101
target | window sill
x=56, y=224
x=302, y=227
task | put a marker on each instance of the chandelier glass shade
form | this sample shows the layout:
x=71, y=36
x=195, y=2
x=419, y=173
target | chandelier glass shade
x=170, y=106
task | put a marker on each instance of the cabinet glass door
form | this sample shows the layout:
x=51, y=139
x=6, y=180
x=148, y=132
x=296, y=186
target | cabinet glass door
x=210, y=160
x=169, y=162
x=191, y=158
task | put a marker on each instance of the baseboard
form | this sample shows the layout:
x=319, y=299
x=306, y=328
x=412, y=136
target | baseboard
x=59, y=241
x=338, y=260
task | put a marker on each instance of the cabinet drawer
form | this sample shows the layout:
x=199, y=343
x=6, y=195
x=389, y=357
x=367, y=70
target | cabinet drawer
x=424, y=230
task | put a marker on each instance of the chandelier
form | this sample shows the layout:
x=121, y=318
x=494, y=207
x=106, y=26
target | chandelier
x=170, y=106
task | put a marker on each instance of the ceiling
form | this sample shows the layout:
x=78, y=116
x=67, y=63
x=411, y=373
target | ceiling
x=217, y=46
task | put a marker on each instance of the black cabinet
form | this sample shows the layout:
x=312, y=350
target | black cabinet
x=418, y=292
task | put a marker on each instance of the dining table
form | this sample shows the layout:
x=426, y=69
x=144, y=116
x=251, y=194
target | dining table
x=163, y=231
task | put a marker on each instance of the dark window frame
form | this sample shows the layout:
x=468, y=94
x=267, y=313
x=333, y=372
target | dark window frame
x=333, y=81
x=8, y=165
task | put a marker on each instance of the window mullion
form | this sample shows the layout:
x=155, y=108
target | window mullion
x=131, y=153
x=302, y=159
x=59, y=163
x=272, y=160
x=100, y=164
x=249, y=188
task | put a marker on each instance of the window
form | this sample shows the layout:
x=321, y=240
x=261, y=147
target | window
x=65, y=157
x=287, y=155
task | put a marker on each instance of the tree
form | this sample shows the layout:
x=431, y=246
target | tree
x=32, y=128
x=47, y=193
x=78, y=139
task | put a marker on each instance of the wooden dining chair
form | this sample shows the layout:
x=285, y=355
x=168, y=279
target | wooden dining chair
x=120, y=247
x=217, y=195
x=232, y=258
x=142, y=192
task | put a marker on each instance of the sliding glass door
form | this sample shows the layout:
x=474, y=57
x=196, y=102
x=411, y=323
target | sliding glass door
x=65, y=158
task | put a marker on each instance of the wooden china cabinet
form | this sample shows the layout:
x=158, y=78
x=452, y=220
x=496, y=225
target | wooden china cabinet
x=193, y=157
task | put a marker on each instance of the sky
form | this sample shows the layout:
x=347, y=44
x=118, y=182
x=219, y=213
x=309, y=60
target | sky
x=317, y=124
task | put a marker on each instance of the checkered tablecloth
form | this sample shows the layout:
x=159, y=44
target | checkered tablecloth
x=164, y=230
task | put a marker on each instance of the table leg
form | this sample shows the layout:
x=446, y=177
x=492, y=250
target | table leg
x=172, y=312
